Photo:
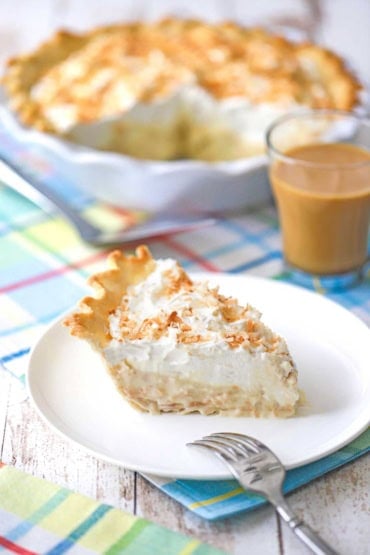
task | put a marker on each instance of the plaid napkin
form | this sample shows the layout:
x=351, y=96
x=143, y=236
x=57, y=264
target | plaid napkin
x=37, y=516
x=43, y=271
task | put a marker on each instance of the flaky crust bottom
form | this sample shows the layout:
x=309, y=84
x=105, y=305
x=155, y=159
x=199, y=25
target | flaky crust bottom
x=155, y=393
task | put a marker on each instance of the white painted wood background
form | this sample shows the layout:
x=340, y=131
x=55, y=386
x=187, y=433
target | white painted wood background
x=336, y=505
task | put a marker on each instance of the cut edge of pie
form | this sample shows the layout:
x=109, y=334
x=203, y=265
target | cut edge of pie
x=161, y=389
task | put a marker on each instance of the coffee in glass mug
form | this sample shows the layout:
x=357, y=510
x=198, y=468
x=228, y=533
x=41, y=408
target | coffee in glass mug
x=320, y=176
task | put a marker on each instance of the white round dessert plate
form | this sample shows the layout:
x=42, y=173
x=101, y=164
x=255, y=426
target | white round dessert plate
x=73, y=392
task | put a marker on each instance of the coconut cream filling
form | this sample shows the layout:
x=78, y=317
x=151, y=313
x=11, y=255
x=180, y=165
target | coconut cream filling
x=210, y=364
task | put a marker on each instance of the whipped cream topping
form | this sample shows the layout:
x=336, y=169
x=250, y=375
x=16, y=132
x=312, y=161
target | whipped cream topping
x=167, y=323
x=188, y=311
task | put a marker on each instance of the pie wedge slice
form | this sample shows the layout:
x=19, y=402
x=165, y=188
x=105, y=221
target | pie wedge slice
x=172, y=344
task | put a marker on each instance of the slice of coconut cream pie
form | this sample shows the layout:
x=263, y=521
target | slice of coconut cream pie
x=175, y=345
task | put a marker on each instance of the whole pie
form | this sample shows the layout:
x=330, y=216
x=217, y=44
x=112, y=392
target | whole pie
x=173, y=89
x=172, y=344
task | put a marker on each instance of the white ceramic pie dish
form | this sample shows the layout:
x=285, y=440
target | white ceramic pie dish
x=174, y=186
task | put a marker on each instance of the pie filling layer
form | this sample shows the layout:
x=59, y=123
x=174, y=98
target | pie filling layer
x=190, y=124
x=168, y=392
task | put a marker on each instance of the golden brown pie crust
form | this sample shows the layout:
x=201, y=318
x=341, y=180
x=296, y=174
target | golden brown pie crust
x=91, y=320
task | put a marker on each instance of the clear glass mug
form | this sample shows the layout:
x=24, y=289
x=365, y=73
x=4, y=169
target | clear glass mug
x=320, y=176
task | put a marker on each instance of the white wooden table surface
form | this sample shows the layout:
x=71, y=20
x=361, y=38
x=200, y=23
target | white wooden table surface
x=336, y=505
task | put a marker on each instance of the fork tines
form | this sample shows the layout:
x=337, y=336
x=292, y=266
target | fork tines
x=230, y=445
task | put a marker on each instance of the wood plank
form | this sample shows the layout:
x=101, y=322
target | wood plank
x=337, y=506
x=4, y=399
x=238, y=535
x=32, y=446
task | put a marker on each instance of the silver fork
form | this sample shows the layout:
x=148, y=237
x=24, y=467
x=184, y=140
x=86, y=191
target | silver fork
x=48, y=199
x=258, y=469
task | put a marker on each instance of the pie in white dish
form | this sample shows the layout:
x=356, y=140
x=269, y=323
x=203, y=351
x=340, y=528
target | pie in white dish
x=173, y=89
x=175, y=345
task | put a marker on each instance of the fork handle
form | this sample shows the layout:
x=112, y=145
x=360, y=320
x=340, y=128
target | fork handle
x=308, y=536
